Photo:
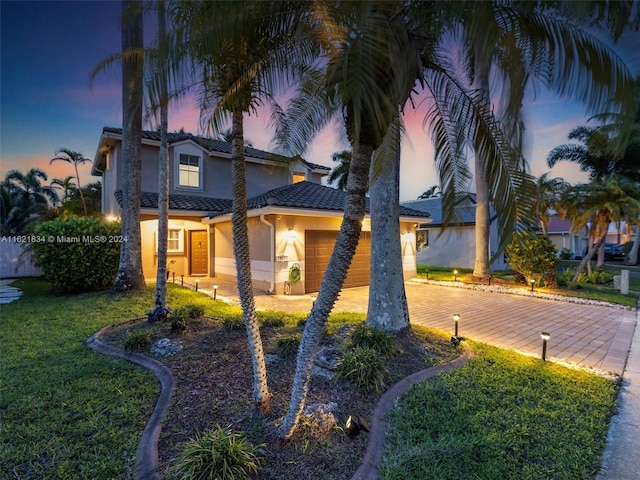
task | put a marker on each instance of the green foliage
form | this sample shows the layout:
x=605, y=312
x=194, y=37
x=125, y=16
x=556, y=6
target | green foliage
x=374, y=338
x=364, y=366
x=233, y=322
x=138, y=341
x=218, y=454
x=533, y=257
x=565, y=277
x=78, y=254
x=271, y=319
x=565, y=254
x=190, y=310
x=502, y=415
x=288, y=344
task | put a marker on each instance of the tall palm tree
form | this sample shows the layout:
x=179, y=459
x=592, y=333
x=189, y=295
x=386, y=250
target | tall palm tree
x=518, y=42
x=548, y=193
x=432, y=192
x=595, y=205
x=340, y=173
x=241, y=52
x=129, y=276
x=74, y=158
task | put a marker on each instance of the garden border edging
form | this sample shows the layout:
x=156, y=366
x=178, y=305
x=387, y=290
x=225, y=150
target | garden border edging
x=147, y=453
x=368, y=469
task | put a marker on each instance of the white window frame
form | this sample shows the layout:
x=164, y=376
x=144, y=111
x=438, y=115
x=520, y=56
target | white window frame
x=178, y=185
x=179, y=239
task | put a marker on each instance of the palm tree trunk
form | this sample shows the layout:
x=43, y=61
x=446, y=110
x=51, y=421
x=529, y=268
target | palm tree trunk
x=163, y=178
x=243, y=265
x=388, y=309
x=481, y=267
x=129, y=276
x=332, y=282
x=586, y=260
x=84, y=204
x=632, y=258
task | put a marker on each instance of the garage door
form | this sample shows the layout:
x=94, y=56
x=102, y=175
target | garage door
x=318, y=248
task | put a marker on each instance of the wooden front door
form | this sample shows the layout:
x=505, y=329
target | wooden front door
x=198, y=256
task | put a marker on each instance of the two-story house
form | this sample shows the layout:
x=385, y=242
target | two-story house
x=293, y=219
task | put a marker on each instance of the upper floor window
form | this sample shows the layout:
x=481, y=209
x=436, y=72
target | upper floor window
x=189, y=169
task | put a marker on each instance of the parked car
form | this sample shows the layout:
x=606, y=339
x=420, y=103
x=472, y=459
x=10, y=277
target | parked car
x=613, y=251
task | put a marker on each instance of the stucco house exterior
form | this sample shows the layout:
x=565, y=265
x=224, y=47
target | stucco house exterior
x=293, y=219
x=455, y=245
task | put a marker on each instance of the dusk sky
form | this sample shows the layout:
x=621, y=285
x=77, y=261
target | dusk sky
x=49, y=48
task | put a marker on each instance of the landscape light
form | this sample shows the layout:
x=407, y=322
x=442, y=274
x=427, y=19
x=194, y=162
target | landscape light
x=197, y=282
x=313, y=300
x=533, y=282
x=182, y=280
x=456, y=319
x=215, y=291
x=545, y=337
x=455, y=275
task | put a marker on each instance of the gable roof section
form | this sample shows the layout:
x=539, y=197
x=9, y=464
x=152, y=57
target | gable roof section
x=212, y=146
x=558, y=225
x=464, y=211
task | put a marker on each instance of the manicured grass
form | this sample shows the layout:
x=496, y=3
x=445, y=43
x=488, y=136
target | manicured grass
x=67, y=412
x=604, y=293
x=503, y=416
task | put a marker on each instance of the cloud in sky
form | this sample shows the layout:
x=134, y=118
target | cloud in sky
x=49, y=48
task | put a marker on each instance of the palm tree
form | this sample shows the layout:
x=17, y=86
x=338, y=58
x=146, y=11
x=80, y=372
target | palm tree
x=29, y=185
x=129, y=276
x=74, y=158
x=340, y=174
x=548, y=194
x=227, y=136
x=521, y=41
x=241, y=51
x=67, y=186
x=595, y=205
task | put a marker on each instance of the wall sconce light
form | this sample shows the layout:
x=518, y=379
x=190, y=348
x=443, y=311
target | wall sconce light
x=455, y=275
x=215, y=292
x=293, y=235
x=533, y=282
x=456, y=319
x=197, y=282
x=545, y=337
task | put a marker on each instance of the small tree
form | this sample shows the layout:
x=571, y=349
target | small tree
x=533, y=257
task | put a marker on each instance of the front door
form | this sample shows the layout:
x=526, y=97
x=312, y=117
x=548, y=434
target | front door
x=199, y=259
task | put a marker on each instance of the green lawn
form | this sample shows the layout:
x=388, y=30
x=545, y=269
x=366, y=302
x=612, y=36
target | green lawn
x=68, y=412
x=502, y=416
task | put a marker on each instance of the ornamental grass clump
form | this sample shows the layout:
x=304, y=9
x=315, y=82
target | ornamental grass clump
x=374, y=338
x=363, y=366
x=287, y=345
x=137, y=341
x=181, y=316
x=218, y=454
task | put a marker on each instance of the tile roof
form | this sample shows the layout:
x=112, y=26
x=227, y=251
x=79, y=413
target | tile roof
x=303, y=195
x=465, y=211
x=213, y=145
x=183, y=202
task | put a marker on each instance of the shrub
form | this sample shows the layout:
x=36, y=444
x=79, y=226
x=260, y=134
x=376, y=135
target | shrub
x=78, y=254
x=137, y=341
x=190, y=310
x=288, y=344
x=271, y=319
x=533, y=257
x=374, y=338
x=364, y=366
x=219, y=454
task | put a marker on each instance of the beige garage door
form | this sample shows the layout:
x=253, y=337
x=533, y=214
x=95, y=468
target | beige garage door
x=318, y=248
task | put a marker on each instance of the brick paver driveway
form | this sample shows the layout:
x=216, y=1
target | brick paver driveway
x=589, y=336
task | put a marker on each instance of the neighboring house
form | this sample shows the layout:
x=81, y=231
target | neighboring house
x=559, y=232
x=455, y=245
x=293, y=220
